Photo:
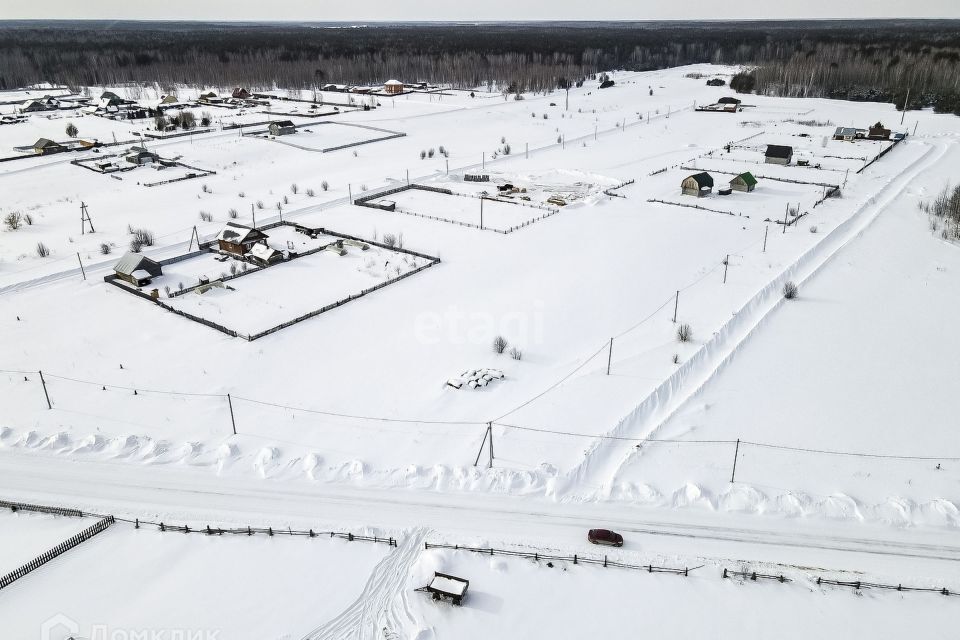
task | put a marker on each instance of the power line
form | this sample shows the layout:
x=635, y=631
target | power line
x=356, y=417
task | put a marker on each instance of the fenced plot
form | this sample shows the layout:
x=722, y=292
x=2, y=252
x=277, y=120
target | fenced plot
x=326, y=136
x=257, y=302
x=444, y=205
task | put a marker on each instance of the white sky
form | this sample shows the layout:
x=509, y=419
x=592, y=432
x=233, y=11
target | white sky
x=496, y=10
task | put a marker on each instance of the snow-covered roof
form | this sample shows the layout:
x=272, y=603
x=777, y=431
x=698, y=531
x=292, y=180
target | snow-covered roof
x=449, y=585
x=239, y=234
x=392, y=83
x=263, y=252
x=132, y=262
x=141, y=274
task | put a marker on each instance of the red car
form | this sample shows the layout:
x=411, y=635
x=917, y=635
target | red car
x=605, y=536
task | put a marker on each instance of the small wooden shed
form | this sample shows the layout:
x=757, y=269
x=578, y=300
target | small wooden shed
x=45, y=146
x=743, y=182
x=282, y=128
x=699, y=184
x=878, y=132
x=778, y=154
x=393, y=87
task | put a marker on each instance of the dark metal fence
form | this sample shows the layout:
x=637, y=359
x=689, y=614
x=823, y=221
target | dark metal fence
x=23, y=506
x=854, y=584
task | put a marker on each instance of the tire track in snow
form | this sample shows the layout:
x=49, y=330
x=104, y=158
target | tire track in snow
x=381, y=608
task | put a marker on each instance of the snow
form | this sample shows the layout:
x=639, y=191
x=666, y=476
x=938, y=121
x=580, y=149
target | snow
x=349, y=413
x=26, y=535
x=176, y=582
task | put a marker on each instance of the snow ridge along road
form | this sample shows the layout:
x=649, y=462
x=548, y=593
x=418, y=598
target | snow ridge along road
x=598, y=469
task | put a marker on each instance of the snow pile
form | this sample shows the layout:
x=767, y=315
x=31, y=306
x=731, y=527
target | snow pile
x=475, y=378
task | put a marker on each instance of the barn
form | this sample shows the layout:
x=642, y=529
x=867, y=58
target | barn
x=282, y=128
x=699, y=184
x=45, y=146
x=137, y=269
x=393, y=87
x=744, y=182
x=240, y=93
x=238, y=240
x=778, y=154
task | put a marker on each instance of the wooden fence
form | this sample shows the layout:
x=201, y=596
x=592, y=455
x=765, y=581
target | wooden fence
x=23, y=506
x=575, y=558
x=58, y=550
x=857, y=585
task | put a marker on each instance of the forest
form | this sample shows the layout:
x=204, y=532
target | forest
x=856, y=60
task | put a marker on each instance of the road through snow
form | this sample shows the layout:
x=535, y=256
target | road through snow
x=182, y=494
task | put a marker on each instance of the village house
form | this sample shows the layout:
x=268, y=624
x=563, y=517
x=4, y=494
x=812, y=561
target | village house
x=778, y=154
x=847, y=134
x=744, y=182
x=239, y=93
x=282, y=128
x=140, y=155
x=137, y=269
x=393, y=87
x=45, y=147
x=238, y=240
x=878, y=132
x=699, y=184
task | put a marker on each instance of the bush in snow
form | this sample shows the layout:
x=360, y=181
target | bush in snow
x=499, y=344
x=259, y=204
x=206, y=216
x=105, y=248
x=42, y=250
x=143, y=236
x=423, y=154
x=389, y=239
x=684, y=333
x=232, y=213
x=790, y=290
x=324, y=185
x=294, y=188
x=516, y=354
x=431, y=152
x=13, y=220
x=28, y=219
x=813, y=228
x=310, y=193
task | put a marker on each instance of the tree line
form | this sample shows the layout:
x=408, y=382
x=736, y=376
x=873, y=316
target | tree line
x=860, y=60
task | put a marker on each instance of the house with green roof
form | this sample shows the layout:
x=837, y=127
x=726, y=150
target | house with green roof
x=743, y=182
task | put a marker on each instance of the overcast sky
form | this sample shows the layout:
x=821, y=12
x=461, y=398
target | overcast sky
x=499, y=10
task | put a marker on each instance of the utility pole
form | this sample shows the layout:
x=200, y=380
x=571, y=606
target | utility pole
x=483, y=161
x=766, y=231
x=736, y=454
x=192, y=236
x=233, y=422
x=676, y=305
x=85, y=219
x=45, y=394
x=350, y=193
x=726, y=265
x=481, y=213
x=408, y=177
x=490, y=448
x=904, y=113
x=785, y=211
x=82, y=272
x=568, y=99
x=609, y=356
x=253, y=214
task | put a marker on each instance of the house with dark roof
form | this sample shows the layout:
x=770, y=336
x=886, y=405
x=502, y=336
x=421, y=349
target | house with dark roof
x=240, y=93
x=282, y=128
x=238, y=240
x=699, y=184
x=137, y=269
x=728, y=100
x=778, y=154
x=847, y=134
x=46, y=146
x=744, y=182
x=878, y=132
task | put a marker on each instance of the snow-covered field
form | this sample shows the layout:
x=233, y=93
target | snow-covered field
x=840, y=398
